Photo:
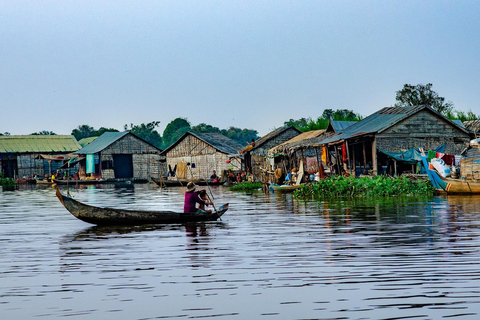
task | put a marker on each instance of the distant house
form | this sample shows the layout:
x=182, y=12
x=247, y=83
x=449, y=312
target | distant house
x=83, y=142
x=196, y=155
x=255, y=158
x=30, y=155
x=119, y=155
x=366, y=144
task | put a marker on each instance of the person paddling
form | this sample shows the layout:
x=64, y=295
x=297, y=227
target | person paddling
x=192, y=198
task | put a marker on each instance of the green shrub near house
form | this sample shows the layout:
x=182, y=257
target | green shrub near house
x=6, y=183
x=365, y=187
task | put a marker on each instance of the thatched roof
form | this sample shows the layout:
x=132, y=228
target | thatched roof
x=304, y=139
x=273, y=135
x=473, y=125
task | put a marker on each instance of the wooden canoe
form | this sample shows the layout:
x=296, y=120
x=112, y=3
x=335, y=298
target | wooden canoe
x=182, y=183
x=449, y=185
x=111, y=216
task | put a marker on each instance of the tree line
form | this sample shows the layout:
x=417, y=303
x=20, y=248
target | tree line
x=409, y=95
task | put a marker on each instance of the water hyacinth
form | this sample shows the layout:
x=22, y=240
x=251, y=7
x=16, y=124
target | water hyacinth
x=365, y=187
x=6, y=183
x=246, y=186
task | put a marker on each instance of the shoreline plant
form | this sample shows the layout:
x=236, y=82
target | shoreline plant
x=6, y=183
x=379, y=186
x=246, y=186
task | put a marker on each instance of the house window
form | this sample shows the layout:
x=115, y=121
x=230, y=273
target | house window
x=107, y=164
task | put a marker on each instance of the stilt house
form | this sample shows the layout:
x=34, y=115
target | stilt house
x=364, y=146
x=120, y=155
x=303, y=150
x=255, y=158
x=196, y=155
x=30, y=155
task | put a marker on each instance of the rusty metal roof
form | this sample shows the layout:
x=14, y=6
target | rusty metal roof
x=38, y=143
x=380, y=121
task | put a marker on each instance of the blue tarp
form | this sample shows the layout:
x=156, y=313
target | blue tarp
x=411, y=156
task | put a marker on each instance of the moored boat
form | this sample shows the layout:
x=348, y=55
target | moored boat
x=112, y=216
x=465, y=184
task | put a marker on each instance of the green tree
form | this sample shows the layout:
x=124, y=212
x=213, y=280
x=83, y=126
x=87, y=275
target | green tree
x=205, y=128
x=308, y=124
x=102, y=130
x=422, y=95
x=461, y=115
x=147, y=132
x=83, y=131
x=44, y=133
x=242, y=136
x=174, y=130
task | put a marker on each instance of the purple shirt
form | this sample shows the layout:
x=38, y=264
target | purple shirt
x=191, y=198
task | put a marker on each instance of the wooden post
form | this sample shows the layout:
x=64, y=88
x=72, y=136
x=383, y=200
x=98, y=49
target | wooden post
x=354, y=166
x=395, y=167
x=364, y=157
x=374, y=157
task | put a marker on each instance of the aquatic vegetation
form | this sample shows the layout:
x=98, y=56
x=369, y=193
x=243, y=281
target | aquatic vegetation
x=6, y=183
x=365, y=187
x=242, y=186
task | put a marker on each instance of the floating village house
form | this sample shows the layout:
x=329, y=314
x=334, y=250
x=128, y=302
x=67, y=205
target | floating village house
x=30, y=155
x=196, y=155
x=302, y=150
x=388, y=135
x=255, y=158
x=120, y=155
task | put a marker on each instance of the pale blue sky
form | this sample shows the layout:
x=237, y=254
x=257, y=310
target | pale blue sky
x=248, y=64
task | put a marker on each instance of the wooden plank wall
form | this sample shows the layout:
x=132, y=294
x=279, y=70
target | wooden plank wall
x=423, y=129
x=206, y=158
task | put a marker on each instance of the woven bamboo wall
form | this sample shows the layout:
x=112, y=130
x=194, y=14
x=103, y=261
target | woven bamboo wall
x=202, y=157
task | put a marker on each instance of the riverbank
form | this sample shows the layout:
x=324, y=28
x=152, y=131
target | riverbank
x=365, y=187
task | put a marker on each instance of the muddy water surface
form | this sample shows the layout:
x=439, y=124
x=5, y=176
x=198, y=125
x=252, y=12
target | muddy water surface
x=271, y=257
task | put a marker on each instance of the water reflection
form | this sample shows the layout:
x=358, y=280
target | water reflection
x=271, y=257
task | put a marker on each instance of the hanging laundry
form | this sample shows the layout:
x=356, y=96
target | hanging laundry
x=449, y=159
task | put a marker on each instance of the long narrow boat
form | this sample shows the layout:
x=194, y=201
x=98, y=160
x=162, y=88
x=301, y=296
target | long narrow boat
x=112, y=216
x=182, y=183
x=449, y=185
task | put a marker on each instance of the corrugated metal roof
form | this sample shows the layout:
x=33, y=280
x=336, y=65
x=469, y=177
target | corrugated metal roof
x=38, y=143
x=380, y=121
x=338, y=126
x=102, y=142
x=85, y=141
x=216, y=140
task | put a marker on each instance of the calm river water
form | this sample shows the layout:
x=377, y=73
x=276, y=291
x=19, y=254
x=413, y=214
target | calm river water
x=272, y=257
